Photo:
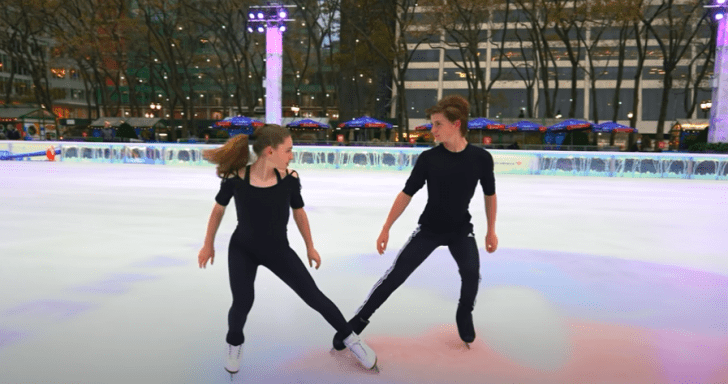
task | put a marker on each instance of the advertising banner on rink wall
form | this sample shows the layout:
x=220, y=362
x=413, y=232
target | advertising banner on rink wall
x=514, y=162
x=26, y=150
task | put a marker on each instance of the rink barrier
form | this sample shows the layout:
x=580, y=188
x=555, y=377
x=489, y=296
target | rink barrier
x=604, y=164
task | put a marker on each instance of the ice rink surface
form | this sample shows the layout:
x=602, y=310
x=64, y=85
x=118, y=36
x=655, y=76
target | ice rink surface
x=596, y=280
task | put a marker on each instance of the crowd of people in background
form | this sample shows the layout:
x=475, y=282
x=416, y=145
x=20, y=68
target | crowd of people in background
x=10, y=133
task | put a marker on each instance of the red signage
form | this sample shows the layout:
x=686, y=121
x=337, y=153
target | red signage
x=487, y=140
x=340, y=138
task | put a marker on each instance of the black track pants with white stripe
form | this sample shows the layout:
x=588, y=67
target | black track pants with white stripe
x=420, y=245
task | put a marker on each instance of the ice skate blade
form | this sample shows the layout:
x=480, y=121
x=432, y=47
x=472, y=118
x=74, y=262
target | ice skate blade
x=375, y=368
x=231, y=372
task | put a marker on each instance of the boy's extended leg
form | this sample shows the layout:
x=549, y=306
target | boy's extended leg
x=414, y=252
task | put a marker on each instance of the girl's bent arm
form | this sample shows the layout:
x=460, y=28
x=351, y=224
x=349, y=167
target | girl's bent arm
x=218, y=211
x=208, y=248
x=301, y=219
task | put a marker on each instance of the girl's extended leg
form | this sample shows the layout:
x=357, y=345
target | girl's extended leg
x=289, y=268
x=242, y=268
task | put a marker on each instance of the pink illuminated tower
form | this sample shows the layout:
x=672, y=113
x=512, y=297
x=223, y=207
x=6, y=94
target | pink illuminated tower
x=271, y=19
x=718, y=130
x=273, y=74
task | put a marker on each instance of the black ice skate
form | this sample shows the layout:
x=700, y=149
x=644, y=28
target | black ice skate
x=464, y=320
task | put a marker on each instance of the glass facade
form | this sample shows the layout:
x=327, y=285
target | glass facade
x=605, y=104
x=418, y=100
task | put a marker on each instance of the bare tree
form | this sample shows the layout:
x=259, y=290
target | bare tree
x=24, y=37
x=233, y=67
x=298, y=55
x=385, y=29
x=319, y=19
x=175, y=38
x=75, y=28
x=641, y=38
x=523, y=59
x=704, y=58
x=540, y=15
x=674, y=34
x=622, y=14
x=599, y=21
x=568, y=23
x=465, y=26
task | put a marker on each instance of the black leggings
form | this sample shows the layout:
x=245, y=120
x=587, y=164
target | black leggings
x=284, y=262
x=420, y=245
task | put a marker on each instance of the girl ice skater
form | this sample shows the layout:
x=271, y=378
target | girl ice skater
x=263, y=193
x=452, y=171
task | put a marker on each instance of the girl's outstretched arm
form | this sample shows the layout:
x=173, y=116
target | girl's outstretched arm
x=208, y=248
x=301, y=219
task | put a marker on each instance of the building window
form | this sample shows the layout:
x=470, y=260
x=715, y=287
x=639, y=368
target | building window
x=605, y=104
x=418, y=100
x=421, y=75
x=455, y=74
x=426, y=55
x=652, y=99
x=507, y=102
x=562, y=102
x=456, y=55
x=508, y=73
x=610, y=73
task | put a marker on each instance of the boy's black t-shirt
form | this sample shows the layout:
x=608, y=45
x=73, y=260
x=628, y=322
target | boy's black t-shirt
x=451, y=180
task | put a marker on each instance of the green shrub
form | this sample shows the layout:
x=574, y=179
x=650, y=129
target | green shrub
x=126, y=131
x=708, y=148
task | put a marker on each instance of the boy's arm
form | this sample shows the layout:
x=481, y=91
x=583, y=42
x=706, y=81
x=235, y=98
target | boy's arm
x=400, y=203
x=491, y=240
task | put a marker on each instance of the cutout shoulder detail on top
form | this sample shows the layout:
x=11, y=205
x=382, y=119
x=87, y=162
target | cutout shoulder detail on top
x=292, y=173
x=233, y=174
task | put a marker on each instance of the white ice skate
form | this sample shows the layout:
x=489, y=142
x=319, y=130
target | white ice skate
x=361, y=350
x=234, y=356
